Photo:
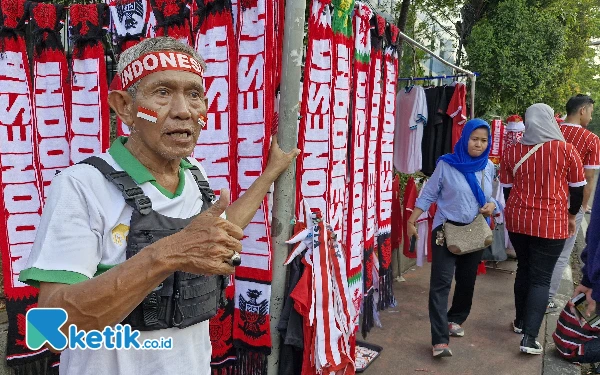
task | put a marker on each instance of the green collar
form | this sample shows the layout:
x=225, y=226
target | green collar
x=141, y=174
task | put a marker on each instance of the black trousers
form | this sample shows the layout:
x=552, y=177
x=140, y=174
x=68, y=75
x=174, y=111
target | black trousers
x=444, y=267
x=536, y=259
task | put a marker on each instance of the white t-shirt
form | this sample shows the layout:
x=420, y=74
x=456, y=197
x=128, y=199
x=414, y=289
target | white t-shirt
x=83, y=233
x=411, y=116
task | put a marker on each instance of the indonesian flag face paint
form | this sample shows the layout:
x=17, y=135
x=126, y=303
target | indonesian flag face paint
x=148, y=114
x=202, y=121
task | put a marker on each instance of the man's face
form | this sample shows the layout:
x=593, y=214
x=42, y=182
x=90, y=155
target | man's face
x=178, y=98
x=586, y=114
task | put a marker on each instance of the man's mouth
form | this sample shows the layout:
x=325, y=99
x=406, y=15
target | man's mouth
x=181, y=134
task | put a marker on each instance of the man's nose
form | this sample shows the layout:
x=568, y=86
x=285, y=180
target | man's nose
x=180, y=107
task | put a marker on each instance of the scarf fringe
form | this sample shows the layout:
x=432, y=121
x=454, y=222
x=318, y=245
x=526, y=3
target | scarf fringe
x=386, y=290
x=248, y=363
x=43, y=366
x=368, y=316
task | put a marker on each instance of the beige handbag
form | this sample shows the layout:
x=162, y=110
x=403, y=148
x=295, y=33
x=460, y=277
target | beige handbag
x=471, y=237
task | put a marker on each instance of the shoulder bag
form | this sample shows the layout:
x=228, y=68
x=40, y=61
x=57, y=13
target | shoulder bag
x=471, y=237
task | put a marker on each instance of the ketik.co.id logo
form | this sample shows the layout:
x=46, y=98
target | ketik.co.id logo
x=44, y=324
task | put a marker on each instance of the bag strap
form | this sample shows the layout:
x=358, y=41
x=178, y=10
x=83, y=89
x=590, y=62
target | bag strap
x=208, y=195
x=133, y=194
x=524, y=158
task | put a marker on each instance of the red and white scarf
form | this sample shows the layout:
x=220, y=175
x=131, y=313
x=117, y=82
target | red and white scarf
x=129, y=25
x=279, y=19
x=172, y=19
x=90, y=126
x=385, y=171
x=329, y=311
x=370, y=223
x=21, y=203
x=313, y=169
x=498, y=141
x=357, y=185
x=252, y=333
x=340, y=105
x=52, y=95
x=217, y=145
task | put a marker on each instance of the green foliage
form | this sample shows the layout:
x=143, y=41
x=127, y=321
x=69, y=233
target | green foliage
x=518, y=50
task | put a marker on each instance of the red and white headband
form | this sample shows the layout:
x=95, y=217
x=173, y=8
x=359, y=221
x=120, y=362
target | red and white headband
x=155, y=62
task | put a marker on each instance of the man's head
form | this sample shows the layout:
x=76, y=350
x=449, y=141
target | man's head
x=165, y=97
x=580, y=109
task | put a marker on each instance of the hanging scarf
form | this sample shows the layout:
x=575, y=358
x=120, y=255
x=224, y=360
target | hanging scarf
x=52, y=97
x=172, y=19
x=385, y=173
x=90, y=125
x=251, y=332
x=396, y=213
x=497, y=141
x=541, y=125
x=465, y=163
x=21, y=203
x=340, y=105
x=128, y=27
x=129, y=22
x=327, y=312
x=370, y=205
x=355, y=232
x=216, y=146
x=312, y=172
x=279, y=19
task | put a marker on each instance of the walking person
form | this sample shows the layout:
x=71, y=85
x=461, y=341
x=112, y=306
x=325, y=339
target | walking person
x=461, y=185
x=579, y=115
x=539, y=176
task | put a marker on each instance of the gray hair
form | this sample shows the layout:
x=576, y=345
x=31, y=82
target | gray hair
x=158, y=44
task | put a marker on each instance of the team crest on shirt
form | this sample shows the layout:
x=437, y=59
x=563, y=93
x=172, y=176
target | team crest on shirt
x=253, y=314
x=119, y=234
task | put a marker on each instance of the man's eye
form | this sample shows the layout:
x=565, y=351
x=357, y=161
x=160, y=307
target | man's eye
x=195, y=95
x=162, y=92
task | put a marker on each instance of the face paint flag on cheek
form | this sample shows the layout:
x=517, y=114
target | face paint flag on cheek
x=147, y=114
x=202, y=121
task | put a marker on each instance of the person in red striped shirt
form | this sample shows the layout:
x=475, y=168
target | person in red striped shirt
x=539, y=175
x=579, y=115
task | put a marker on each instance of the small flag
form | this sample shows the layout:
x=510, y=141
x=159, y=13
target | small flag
x=201, y=121
x=147, y=114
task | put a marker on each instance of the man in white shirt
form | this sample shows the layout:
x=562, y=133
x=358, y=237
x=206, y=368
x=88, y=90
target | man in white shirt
x=82, y=257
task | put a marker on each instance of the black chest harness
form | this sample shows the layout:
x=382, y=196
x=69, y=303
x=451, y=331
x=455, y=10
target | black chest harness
x=182, y=299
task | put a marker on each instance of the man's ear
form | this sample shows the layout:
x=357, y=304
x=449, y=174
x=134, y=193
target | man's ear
x=122, y=103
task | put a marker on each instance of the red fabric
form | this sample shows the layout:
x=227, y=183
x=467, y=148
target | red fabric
x=172, y=19
x=537, y=205
x=457, y=109
x=302, y=295
x=497, y=140
x=570, y=336
x=21, y=203
x=215, y=41
x=90, y=126
x=410, y=198
x=279, y=12
x=586, y=142
x=52, y=97
x=312, y=165
x=254, y=118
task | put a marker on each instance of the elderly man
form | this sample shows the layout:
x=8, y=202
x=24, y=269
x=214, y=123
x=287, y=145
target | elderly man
x=132, y=236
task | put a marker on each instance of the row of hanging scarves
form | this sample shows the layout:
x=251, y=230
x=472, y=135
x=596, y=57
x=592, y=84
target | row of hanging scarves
x=60, y=117
x=345, y=57
x=47, y=123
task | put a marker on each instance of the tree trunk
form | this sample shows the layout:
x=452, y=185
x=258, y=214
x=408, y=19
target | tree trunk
x=404, y=8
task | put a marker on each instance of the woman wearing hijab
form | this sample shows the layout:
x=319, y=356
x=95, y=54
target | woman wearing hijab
x=543, y=181
x=456, y=187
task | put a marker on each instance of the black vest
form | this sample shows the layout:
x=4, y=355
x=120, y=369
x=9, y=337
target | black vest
x=182, y=299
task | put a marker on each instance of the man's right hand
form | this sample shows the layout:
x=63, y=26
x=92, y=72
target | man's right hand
x=207, y=244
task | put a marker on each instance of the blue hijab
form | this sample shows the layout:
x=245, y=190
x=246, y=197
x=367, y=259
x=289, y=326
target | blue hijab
x=467, y=164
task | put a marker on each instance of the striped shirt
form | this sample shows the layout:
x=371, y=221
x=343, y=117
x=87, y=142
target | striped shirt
x=586, y=142
x=570, y=336
x=537, y=205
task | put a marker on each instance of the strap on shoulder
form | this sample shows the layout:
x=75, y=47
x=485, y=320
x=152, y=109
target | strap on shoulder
x=208, y=195
x=133, y=194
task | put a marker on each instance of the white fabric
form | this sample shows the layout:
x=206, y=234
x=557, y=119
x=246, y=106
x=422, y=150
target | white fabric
x=85, y=223
x=411, y=116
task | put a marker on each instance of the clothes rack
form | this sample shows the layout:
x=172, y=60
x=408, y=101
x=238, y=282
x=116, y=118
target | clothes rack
x=471, y=75
x=434, y=77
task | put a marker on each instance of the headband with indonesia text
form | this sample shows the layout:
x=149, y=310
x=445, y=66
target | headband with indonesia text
x=155, y=62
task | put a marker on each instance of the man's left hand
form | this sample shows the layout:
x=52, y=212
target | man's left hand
x=279, y=160
x=488, y=209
